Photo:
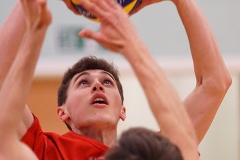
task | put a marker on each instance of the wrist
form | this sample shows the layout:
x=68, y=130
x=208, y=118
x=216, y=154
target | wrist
x=136, y=52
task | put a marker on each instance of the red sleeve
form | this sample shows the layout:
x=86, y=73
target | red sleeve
x=34, y=138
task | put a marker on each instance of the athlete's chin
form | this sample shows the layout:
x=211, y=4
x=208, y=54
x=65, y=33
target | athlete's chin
x=102, y=121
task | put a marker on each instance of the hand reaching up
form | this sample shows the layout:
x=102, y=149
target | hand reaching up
x=37, y=15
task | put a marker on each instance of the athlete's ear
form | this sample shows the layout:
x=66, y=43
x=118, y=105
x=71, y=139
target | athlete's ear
x=123, y=113
x=62, y=113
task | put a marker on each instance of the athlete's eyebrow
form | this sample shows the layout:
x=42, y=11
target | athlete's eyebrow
x=81, y=74
x=87, y=73
x=105, y=72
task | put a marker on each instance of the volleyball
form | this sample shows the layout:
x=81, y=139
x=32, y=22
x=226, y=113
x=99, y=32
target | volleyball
x=128, y=6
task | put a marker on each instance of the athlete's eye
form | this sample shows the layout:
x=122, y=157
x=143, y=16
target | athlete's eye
x=108, y=82
x=83, y=82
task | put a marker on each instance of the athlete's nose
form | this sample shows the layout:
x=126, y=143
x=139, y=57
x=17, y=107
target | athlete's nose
x=98, y=87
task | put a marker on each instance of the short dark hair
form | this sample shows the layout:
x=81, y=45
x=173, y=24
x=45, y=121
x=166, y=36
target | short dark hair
x=143, y=144
x=87, y=63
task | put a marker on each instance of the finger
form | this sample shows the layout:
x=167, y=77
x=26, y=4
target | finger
x=44, y=13
x=86, y=33
x=92, y=7
x=93, y=35
x=113, y=4
x=70, y=6
x=42, y=4
x=102, y=4
x=101, y=40
x=107, y=6
x=25, y=6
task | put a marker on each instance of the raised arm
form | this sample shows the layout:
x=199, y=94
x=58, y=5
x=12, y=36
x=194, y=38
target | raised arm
x=163, y=99
x=17, y=83
x=212, y=77
x=12, y=32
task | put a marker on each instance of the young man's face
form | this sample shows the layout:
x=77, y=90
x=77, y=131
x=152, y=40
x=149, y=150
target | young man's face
x=93, y=100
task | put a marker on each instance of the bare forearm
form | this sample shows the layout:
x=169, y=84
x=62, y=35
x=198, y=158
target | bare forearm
x=15, y=116
x=213, y=79
x=20, y=78
x=205, y=52
x=164, y=102
x=11, y=34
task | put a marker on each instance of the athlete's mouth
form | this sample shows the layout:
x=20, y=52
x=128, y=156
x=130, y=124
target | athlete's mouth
x=99, y=100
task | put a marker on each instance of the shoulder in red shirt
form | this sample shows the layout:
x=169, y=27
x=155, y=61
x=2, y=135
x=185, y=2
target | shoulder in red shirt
x=70, y=146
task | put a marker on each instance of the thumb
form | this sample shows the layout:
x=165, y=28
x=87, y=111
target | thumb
x=87, y=34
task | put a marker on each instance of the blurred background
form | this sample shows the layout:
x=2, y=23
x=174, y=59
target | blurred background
x=160, y=28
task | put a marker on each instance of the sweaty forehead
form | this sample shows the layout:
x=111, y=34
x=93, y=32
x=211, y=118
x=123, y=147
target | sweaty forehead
x=94, y=72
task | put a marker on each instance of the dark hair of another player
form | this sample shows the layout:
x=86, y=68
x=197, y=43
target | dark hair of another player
x=143, y=144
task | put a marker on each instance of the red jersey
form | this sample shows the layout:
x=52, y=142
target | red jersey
x=70, y=146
